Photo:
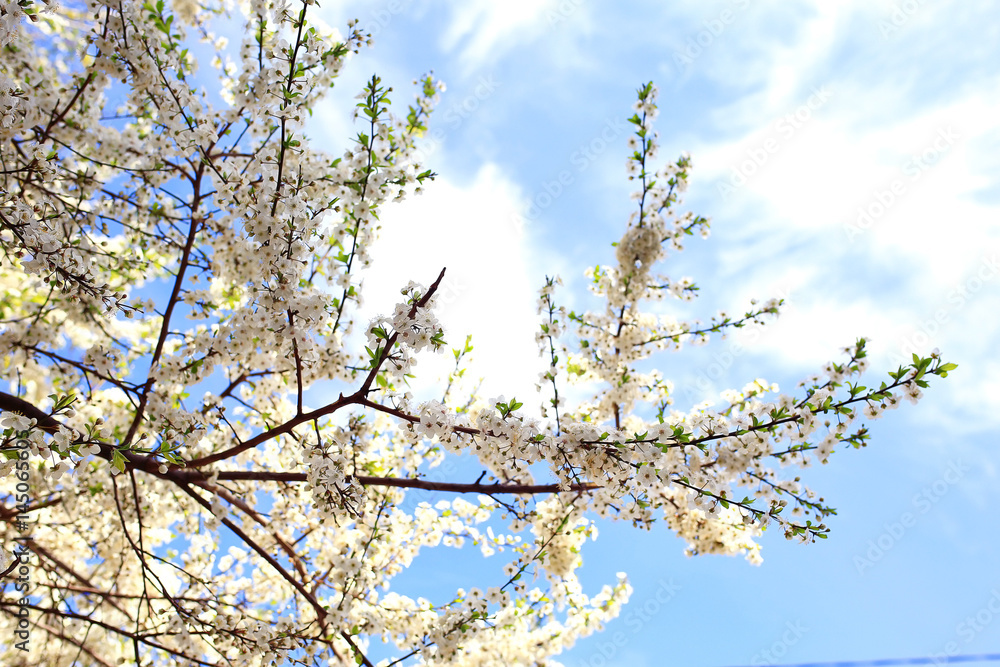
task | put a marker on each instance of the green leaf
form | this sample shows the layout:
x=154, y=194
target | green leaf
x=118, y=460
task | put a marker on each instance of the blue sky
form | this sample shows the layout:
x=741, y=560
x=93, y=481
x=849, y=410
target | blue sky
x=847, y=155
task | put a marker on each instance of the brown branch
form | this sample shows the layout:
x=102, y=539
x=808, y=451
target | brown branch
x=403, y=482
x=193, y=476
x=45, y=421
x=161, y=339
x=357, y=651
x=7, y=513
x=411, y=418
x=298, y=359
x=272, y=433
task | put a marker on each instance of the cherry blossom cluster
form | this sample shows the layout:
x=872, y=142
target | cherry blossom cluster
x=563, y=532
x=396, y=340
x=335, y=489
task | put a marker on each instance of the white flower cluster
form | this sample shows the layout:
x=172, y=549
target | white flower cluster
x=416, y=325
x=724, y=533
x=412, y=328
x=560, y=531
x=10, y=93
x=335, y=490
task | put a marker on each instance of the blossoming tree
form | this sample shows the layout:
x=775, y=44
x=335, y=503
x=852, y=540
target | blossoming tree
x=180, y=266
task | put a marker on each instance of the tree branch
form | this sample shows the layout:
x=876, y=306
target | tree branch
x=45, y=421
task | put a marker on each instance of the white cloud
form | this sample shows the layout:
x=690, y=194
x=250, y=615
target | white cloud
x=489, y=290
x=875, y=183
x=484, y=31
